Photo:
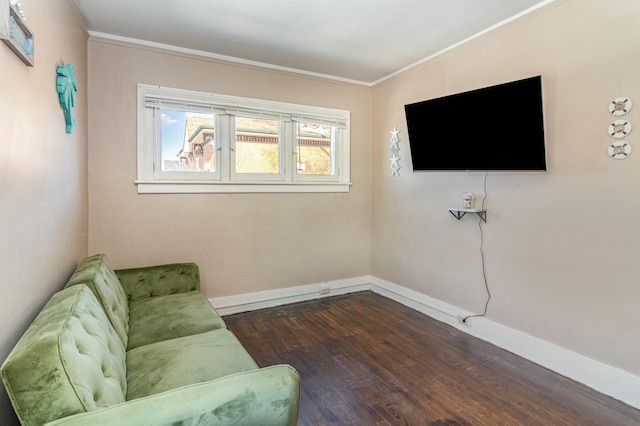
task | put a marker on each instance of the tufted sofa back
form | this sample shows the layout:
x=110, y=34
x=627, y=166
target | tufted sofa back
x=70, y=360
x=96, y=273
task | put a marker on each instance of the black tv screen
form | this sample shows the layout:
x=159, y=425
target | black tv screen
x=497, y=128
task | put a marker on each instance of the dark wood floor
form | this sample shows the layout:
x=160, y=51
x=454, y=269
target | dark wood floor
x=364, y=359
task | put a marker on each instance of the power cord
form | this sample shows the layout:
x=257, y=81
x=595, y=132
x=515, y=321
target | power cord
x=484, y=269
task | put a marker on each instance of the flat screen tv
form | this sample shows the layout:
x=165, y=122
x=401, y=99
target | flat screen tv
x=496, y=128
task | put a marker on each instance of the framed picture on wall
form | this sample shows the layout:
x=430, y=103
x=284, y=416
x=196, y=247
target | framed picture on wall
x=15, y=33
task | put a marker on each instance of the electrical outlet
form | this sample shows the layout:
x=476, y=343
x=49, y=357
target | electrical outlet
x=325, y=289
x=465, y=320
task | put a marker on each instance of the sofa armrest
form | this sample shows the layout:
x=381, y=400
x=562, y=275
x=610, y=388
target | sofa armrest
x=159, y=280
x=266, y=396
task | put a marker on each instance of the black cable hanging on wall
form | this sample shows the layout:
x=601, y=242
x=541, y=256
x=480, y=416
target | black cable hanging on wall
x=482, y=259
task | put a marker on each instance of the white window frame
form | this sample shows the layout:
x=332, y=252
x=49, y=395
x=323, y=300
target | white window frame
x=258, y=177
x=225, y=180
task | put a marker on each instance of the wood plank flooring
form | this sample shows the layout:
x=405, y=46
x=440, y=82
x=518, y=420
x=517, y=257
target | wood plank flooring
x=364, y=359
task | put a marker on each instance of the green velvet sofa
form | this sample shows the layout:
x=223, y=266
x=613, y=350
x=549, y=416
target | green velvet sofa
x=139, y=347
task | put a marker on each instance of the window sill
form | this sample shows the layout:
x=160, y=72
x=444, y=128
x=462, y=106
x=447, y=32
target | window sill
x=164, y=187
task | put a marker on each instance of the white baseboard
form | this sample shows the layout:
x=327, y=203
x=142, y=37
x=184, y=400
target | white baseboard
x=608, y=380
x=228, y=305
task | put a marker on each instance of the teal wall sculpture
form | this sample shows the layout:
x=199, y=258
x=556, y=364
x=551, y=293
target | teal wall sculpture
x=66, y=86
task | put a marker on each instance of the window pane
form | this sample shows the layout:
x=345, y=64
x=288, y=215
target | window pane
x=315, y=149
x=188, y=141
x=257, y=145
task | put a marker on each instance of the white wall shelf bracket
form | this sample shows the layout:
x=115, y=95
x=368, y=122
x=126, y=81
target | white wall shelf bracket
x=459, y=213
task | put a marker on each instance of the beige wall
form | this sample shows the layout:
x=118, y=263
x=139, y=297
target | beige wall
x=242, y=242
x=43, y=178
x=561, y=247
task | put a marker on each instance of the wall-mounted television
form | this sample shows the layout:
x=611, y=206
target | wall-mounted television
x=496, y=128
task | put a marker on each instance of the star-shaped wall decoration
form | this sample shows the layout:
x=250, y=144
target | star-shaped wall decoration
x=395, y=166
x=395, y=158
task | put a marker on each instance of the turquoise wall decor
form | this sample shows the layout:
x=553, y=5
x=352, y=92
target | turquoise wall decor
x=67, y=87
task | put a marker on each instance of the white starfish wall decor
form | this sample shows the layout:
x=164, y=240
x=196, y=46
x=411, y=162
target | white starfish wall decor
x=395, y=165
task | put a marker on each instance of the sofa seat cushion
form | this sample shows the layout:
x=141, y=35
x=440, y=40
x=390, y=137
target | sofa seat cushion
x=96, y=273
x=161, y=318
x=70, y=360
x=170, y=364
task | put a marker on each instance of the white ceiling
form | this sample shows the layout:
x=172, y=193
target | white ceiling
x=362, y=41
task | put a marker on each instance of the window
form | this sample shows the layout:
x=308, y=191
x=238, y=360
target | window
x=202, y=142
